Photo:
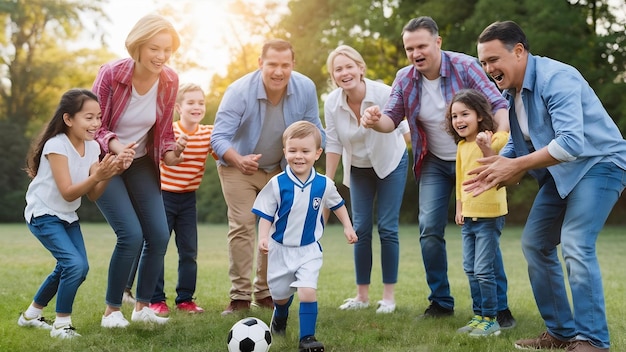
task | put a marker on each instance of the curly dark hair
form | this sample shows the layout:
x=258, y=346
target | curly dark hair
x=474, y=100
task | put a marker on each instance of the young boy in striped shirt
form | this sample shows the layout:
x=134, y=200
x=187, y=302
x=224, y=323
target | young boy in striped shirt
x=290, y=226
x=178, y=185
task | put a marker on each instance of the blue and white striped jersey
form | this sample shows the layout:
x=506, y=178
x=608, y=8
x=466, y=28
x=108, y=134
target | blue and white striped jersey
x=295, y=208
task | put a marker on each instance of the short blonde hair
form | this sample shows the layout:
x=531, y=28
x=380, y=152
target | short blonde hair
x=348, y=52
x=186, y=88
x=302, y=129
x=146, y=28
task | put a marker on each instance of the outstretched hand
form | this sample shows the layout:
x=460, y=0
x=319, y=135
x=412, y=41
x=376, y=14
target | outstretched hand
x=371, y=116
x=496, y=171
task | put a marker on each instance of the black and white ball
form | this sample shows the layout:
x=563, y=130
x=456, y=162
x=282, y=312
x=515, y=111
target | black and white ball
x=249, y=335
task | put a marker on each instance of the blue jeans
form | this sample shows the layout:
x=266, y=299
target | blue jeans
x=481, y=240
x=65, y=242
x=575, y=222
x=436, y=185
x=366, y=190
x=133, y=207
x=180, y=209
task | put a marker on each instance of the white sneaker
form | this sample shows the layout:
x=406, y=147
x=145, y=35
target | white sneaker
x=385, y=308
x=114, y=320
x=38, y=322
x=147, y=315
x=64, y=332
x=128, y=298
x=353, y=304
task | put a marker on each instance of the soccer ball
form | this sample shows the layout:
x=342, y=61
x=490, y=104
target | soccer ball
x=249, y=335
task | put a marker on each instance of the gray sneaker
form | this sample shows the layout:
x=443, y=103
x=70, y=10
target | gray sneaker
x=487, y=327
x=471, y=325
x=39, y=322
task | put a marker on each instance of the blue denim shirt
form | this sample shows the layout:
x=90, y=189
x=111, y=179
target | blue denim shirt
x=241, y=112
x=562, y=107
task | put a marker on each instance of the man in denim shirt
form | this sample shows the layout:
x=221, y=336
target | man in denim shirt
x=421, y=92
x=563, y=136
x=247, y=137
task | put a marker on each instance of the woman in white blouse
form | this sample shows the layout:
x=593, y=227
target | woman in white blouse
x=374, y=168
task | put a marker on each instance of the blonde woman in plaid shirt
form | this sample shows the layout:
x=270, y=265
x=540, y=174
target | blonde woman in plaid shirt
x=137, y=97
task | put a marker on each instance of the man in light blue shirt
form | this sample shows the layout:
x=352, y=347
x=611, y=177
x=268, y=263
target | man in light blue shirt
x=247, y=137
x=563, y=136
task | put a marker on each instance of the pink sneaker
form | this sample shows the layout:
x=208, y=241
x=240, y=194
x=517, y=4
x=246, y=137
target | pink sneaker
x=190, y=307
x=160, y=308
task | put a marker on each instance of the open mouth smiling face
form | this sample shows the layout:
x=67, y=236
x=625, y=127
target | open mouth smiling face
x=460, y=128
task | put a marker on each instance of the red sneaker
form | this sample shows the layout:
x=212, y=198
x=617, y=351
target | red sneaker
x=189, y=306
x=160, y=308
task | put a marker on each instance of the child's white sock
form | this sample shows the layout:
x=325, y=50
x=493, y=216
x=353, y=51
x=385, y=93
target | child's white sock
x=62, y=321
x=32, y=312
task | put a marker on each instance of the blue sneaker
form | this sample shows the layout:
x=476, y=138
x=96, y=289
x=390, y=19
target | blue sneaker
x=487, y=327
x=471, y=325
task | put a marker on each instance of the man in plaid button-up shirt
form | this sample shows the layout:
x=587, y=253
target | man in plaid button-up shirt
x=421, y=93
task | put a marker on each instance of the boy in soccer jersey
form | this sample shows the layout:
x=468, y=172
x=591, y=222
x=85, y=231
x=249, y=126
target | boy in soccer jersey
x=290, y=226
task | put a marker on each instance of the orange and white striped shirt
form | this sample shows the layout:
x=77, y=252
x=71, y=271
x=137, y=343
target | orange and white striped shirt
x=187, y=175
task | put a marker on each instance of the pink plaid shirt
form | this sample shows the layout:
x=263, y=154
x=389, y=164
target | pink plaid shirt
x=458, y=71
x=113, y=86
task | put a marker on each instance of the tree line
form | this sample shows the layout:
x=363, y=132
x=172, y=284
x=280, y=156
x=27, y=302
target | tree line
x=37, y=64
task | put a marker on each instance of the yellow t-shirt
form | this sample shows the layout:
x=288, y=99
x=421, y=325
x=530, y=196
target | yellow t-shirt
x=491, y=203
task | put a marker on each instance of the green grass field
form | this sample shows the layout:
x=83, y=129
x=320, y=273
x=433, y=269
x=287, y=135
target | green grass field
x=24, y=263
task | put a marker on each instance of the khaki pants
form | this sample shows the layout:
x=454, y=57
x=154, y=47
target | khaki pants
x=240, y=191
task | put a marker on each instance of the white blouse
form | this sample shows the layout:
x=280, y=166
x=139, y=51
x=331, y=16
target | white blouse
x=384, y=150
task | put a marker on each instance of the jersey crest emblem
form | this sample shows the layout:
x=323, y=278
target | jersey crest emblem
x=317, y=201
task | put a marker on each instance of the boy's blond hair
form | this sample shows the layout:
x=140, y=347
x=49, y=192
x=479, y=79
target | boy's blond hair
x=185, y=88
x=302, y=129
